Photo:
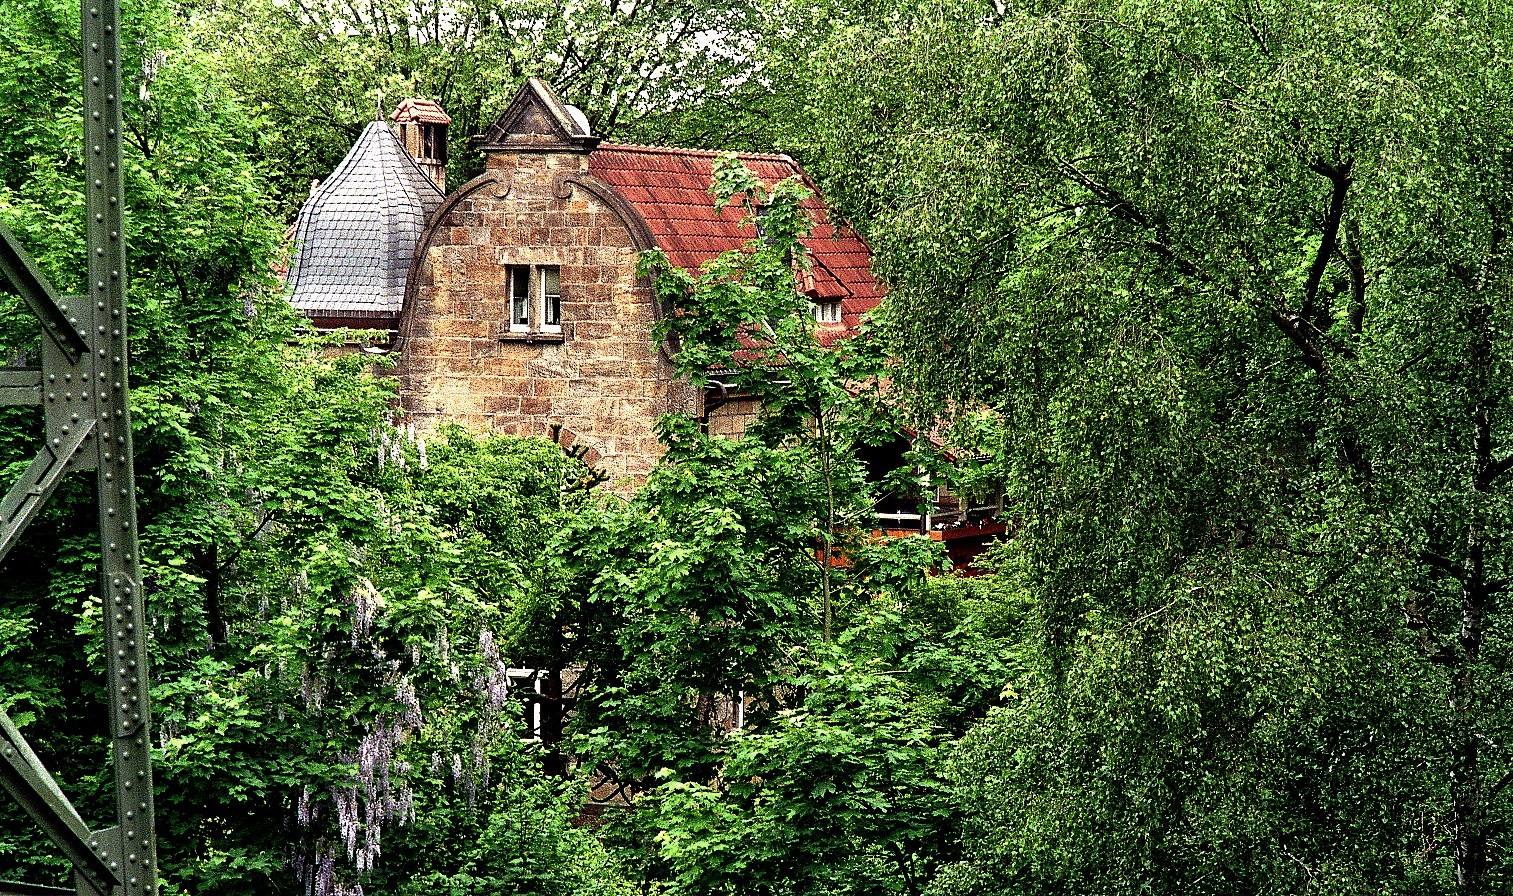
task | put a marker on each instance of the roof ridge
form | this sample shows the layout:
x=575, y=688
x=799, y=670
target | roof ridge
x=648, y=148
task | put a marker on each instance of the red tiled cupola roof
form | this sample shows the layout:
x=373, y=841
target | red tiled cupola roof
x=670, y=189
x=425, y=111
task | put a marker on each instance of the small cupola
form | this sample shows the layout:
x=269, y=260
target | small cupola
x=422, y=128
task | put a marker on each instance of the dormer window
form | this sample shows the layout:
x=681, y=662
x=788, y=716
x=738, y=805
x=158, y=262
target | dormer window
x=827, y=312
x=433, y=142
x=535, y=298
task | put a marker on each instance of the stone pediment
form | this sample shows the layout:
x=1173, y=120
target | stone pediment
x=537, y=119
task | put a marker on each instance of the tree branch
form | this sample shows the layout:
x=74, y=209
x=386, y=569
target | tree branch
x=1417, y=620
x=1121, y=208
x=1339, y=176
x=1443, y=564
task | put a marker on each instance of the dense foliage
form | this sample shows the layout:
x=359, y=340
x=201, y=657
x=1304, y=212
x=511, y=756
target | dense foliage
x=1215, y=292
x=1232, y=279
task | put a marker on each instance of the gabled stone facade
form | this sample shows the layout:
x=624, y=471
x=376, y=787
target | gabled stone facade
x=521, y=309
x=599, y=376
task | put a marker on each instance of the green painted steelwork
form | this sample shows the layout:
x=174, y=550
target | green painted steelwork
x=82, y=386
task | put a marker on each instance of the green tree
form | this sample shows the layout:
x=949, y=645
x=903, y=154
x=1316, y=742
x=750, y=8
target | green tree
x=320, y=71
x=324, y=586
x=1231, y=278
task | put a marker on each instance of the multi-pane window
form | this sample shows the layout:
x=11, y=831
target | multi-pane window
x=551, y=298
x=828, y=312
x=535, y=298
x=520, y=297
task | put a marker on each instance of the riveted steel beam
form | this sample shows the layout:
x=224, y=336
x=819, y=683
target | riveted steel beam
x=42, y=475
x=27, y=780
x=17, y=267
x=82, y=387
x=106, y=390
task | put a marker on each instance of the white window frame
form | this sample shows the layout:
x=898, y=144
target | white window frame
x=827, y=312
x=536, y=297
x=533, y=678
x=515, y=299
x=543, y=274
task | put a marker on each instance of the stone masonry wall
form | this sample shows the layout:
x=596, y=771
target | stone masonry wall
x=731, y=418
x=605, y=383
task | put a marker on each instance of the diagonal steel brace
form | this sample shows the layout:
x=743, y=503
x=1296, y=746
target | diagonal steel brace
x=18, y=268
x=28, y=780
x=30, y=492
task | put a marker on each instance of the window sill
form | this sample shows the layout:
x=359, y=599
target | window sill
x=533, y=337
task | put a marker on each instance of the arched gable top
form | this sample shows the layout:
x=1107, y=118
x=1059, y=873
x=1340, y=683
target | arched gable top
x=496, y=184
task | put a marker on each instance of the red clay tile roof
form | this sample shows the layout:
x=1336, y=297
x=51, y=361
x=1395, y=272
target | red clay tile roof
x=670, y=188
x=428, y=111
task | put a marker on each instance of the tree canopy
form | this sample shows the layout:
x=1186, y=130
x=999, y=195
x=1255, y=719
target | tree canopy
x=1216, y=293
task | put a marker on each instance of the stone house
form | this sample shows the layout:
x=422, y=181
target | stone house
x=513, y=300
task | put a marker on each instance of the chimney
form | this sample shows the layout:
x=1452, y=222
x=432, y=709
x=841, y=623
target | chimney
x=422, y=127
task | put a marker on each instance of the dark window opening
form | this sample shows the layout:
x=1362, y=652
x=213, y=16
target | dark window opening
x=433, y=142
x=520, y=296
x=890, y=473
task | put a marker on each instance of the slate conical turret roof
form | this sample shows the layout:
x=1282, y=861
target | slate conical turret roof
x=357, y=232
